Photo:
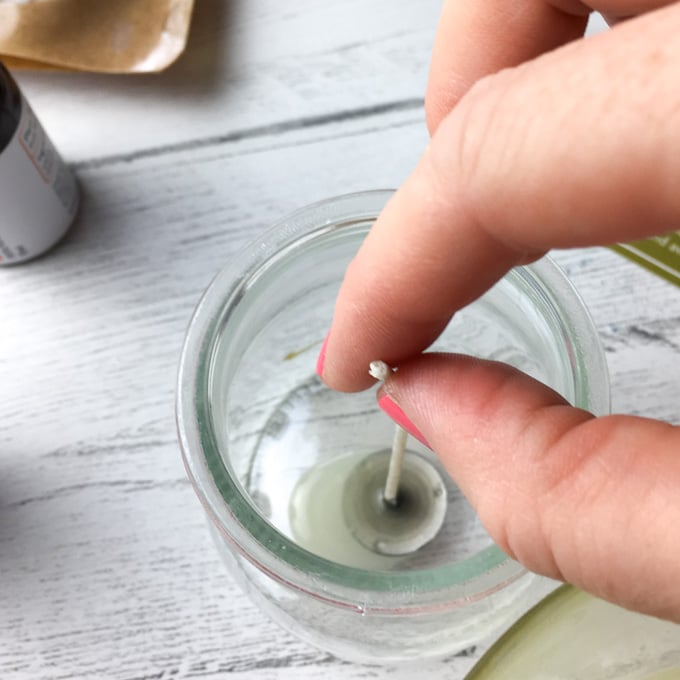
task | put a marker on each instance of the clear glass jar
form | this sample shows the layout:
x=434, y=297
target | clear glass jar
x=268, y=447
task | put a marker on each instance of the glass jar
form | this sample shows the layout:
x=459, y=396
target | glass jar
x=270, y=450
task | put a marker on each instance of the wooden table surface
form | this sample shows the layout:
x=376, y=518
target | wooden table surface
x=106, y=567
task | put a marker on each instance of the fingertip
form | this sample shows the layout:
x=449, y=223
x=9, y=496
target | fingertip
x=339, y=372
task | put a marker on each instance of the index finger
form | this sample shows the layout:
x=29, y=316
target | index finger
x=516, y=168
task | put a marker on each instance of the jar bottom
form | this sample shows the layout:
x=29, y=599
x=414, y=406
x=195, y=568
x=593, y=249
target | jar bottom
x=305, y=494
x=407, y=523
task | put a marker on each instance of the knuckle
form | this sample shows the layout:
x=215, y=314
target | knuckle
x=482, y=146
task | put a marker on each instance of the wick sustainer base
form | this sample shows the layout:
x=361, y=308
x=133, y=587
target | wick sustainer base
x=398, y=528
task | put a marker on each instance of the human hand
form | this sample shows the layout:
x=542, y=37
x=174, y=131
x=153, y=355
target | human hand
x=578, y=146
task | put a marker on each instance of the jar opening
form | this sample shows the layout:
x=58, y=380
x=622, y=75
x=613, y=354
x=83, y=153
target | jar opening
x=264, y=441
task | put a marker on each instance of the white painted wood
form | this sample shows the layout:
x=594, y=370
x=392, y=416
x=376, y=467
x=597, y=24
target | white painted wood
x=247, y=64
x=106, y=568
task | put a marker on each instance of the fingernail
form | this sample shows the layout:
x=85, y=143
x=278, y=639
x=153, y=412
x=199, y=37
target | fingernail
x=322, y=357
x=393, y=410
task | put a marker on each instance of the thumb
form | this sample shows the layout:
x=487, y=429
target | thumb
x=593, y=501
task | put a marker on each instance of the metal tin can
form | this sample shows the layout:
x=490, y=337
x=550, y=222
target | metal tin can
x=38, y=192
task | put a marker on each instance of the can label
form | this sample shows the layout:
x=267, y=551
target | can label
x=38, y=192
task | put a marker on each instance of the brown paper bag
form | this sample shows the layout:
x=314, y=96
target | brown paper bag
x=111, y=36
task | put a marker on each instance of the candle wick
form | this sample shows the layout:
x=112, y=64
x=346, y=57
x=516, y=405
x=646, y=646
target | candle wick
x=391, y=493
x=381, y=371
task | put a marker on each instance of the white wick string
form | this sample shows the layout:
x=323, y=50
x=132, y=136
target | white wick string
x=380, y=371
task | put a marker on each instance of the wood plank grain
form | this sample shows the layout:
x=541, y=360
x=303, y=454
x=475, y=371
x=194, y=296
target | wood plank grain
x=106, y=564
x=247, y=65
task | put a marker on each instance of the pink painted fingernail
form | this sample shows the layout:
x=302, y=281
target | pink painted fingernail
x=393, y=410
x=322, y=357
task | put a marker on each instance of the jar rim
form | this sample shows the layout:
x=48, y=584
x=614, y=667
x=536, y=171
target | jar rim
x=449, y=586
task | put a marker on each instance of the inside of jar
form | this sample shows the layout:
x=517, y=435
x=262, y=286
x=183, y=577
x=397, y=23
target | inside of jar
x=296, y=449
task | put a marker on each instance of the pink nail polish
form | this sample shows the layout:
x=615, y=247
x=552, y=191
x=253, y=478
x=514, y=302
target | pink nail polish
x=322, y=357
x=393, y=410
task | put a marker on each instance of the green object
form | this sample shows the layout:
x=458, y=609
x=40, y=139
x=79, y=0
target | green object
x=660, y=255
x=571, y=635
